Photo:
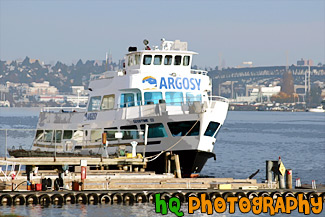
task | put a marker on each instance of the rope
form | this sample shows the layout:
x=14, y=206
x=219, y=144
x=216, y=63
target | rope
x=19, y=185
x=157, y=155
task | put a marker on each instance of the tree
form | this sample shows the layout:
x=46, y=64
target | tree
x=287, y=85
x=315, y=97
x=26, y=61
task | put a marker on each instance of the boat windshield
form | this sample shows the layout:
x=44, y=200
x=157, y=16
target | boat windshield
x=183, y=127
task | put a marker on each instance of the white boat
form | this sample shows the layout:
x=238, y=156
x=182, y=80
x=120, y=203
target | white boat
x=157, y=88
x=317, y=109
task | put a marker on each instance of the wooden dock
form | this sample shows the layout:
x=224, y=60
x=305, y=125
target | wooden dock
x=73, y=161
x=125, y=185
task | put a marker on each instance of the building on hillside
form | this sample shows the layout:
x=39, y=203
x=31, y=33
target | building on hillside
x=53, y=98
x=42, y=89
x=261, y=92
x=78, y=90
x=81, y=100
x=303, y=62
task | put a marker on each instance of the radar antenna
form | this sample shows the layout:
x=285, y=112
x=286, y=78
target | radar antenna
x=146, y=42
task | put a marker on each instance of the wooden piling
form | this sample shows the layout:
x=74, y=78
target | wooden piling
x=178, y=166
x=289, y=178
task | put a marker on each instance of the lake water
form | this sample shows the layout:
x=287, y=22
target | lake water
x=244, y=143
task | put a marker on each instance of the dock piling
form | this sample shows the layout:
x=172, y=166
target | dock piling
x=289, y=179
x=269, y=167
x=178, y=166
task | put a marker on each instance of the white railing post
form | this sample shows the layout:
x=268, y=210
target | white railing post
x=6, y=144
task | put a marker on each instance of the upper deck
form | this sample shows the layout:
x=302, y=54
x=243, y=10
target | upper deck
x=151, y=76
x=171, y=56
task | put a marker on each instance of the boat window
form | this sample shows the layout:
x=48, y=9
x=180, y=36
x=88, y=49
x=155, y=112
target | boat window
x=67, y=134
x=155, y=130
x=147, y=59
x=137, y=59
x=110, y=132
x=130, y=132
x=157, y=60
x=182, y=127
x=168, y=60
x=139, y=99
x=39, y=135
x=58, y=136
x=174, y=98
x=94, y=104
x=127, y=100
x=178, y=60
x=48, y=135
x=78, y=135
x=96, y=135
x=108, y=102
x=130, y=60
x=186, y=60
x=192, y=97
x=212, y=128
x=152, y=97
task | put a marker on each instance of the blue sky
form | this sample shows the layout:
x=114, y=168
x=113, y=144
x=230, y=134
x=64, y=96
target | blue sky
x=260, y=31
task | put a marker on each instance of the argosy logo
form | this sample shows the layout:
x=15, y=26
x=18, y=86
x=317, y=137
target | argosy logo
x=171, y=83
x=180, y=83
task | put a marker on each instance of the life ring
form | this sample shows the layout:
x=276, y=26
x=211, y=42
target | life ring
x=312, y=195
x=151, y=197
x=214, y=195
x=165, y=196
x=31, y=197
x=304, y=196
x=190, y=194
x=275, y=195
x=264, y=194
x=251, y=195
x=83, y=198
x=7, y=198
x=240, y=195
x=57, y=199
x=44, y=199
x=93, y=198
x=18, y=199
x=116, y=198
x=69, y=198
x=105, y=198
x=180, y=196
x=141, y=198
x=227, y=194
x=128, y=198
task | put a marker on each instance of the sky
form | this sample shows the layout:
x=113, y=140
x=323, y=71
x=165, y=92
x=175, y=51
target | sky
x=262, y=31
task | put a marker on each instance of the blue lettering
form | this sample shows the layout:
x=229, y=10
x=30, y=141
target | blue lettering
x=193, y=85
x=91, y=116
x=198, y=82
x=186, y=83
x=171, y=82
x=163, y=83
x=178, y=83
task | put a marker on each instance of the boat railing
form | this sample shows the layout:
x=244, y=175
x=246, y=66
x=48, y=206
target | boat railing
x=63, y=109
x=218, y=98
x=12, y=169
x=106, y=75
x=174, y=101
x=199, y=72
x=173, y=106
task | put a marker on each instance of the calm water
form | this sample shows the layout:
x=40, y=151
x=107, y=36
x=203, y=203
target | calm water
x=245, y=142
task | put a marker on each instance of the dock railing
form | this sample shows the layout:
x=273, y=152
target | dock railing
x=63, y=109
x=17, y=139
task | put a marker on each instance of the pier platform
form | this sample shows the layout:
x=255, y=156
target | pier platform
x=127, y=185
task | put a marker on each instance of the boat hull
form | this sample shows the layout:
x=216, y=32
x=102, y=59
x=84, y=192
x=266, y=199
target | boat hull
x=191, y=161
